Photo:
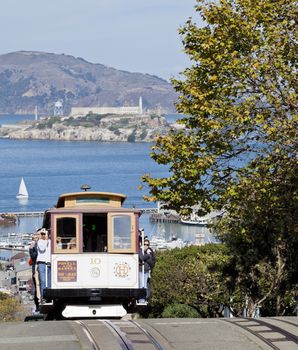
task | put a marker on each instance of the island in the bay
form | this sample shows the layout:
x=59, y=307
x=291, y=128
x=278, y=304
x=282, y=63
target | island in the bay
x=115, y=105
x=112, y=124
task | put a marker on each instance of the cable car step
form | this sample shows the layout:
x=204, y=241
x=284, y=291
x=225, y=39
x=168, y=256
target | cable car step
x=94, y=311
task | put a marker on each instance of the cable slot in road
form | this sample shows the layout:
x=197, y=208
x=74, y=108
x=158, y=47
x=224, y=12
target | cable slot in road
x=124, y=342
x=89, y=335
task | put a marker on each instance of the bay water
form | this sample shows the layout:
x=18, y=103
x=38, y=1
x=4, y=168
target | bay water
x=51, y=168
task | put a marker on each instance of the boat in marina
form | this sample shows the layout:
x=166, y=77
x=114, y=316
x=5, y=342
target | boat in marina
x=14, y=245
x=195, y=219
x=158, y=243
x=16, y=241
x=23, y=193
x=8, y=219
x=4, y=244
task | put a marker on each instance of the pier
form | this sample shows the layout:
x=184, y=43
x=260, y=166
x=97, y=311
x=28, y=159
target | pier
x=26, y=213
x=41, y=213
x=157, y=215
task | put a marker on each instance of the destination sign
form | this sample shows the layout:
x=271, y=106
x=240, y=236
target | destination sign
x=67, y=271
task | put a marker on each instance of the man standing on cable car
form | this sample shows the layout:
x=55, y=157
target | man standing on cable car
x=44, y=261
x=146, y=264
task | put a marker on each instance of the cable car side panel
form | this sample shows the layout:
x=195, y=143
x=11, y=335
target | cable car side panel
x=94, y=271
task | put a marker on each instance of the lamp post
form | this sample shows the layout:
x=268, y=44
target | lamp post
x=85, y=187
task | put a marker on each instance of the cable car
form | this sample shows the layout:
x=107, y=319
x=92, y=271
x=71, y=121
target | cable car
x=94, y=256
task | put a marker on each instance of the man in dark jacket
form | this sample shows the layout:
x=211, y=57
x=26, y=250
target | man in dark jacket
x=146, y=264
x=35, y=279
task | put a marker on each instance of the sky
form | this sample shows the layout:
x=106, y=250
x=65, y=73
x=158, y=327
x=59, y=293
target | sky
x=132, y=35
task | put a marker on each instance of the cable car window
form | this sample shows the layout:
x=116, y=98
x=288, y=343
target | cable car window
x=121, y=233
x=66, y=234
x=94, y=232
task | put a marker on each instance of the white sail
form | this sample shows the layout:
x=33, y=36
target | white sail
x=23, y=193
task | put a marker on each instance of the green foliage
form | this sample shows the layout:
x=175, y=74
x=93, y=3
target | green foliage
x=47, y=123
x=10, y=308
x=179, y=311
x=93, y=117
x=87, y=124
x=122, y=122
x=3, y=296
x=239, y=96
x=72, y=122
x=51, y=121
x=209, y=277
x=287, y=304
x=40, y=126
x=192, y=276
x=261, y=233
x=238, y=150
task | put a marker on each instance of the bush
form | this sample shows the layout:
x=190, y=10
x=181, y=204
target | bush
x=10, y=309
x=179, y=311
x=40, y=126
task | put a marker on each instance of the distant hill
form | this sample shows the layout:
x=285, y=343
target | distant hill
x=29, y=79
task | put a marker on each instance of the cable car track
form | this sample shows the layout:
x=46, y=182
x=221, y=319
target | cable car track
x=282, y=320
x=149, y=335
x=133, y=335
x=273, y=335
x=123, y=341
x=89, y=335
x=130, y=335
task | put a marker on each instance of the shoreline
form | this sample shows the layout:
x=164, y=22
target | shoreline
x=76, y=140
x=106, y=128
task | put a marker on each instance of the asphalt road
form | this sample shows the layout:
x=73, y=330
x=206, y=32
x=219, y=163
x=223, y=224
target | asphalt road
x=167, y=334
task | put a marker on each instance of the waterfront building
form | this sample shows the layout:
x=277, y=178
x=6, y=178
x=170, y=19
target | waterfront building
x=23, y=276
x=82, y=111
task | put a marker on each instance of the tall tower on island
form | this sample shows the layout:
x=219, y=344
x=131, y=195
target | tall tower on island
x=141, y=105
x=58, y=109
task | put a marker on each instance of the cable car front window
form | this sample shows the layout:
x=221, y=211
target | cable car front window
x=66, y=233
x=94, y=232
x=122, y=232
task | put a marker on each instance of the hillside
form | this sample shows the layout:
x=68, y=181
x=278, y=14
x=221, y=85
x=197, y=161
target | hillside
x=29, y=79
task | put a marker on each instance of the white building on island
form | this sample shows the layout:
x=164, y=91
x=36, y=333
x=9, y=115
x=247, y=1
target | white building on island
x=82, y=111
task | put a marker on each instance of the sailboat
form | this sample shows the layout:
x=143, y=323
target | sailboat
x=23, y=193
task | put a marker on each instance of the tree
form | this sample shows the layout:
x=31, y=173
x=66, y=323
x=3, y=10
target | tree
x=261, y=232
x=192, y=276
x=237, y=151
x=239, y=98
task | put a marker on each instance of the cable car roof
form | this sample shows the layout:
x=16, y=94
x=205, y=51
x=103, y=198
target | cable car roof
x=83, y=199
